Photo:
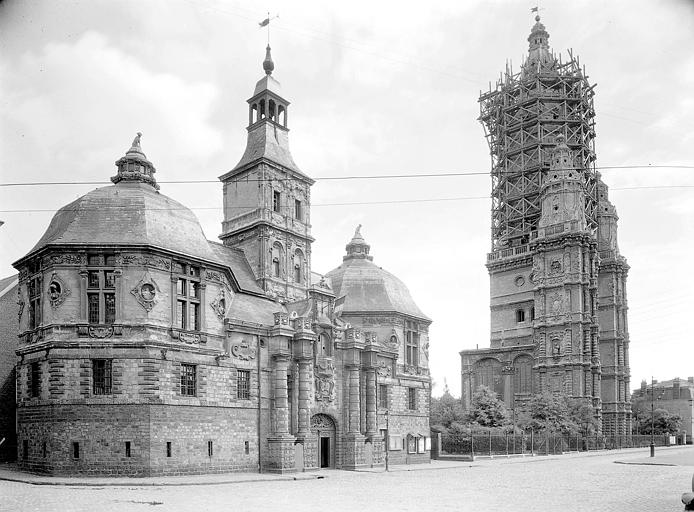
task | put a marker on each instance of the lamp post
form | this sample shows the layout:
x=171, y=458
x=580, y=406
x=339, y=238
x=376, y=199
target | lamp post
x=652, y=417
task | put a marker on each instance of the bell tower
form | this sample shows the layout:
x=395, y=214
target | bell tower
x=267, y=198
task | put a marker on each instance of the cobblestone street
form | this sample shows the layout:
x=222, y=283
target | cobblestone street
x=570, y=482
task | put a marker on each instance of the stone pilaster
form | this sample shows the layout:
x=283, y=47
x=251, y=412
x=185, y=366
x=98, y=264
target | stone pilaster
x=371, y=427
x=353, y=441
x=303, y=434
x=280, y=443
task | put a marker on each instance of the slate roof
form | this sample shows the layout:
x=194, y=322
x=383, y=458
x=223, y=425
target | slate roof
x=369, y=288
x=249, y=308
x=135, y=214
x=267, y=140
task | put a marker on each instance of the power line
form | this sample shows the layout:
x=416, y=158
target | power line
x=443, y=174
x=358, y=203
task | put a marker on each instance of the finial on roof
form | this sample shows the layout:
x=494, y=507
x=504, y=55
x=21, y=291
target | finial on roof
x=357, y=247
x=268, y=65
x=134, y=166
x=357, y=232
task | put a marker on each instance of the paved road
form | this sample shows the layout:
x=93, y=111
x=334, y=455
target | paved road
x=565, y=483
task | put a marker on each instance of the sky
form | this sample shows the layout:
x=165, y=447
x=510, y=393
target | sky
x=376, y=88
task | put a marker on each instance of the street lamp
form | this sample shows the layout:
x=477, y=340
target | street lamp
x=652, y=417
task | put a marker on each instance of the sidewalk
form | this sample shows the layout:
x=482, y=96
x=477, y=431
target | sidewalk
x=9, y=472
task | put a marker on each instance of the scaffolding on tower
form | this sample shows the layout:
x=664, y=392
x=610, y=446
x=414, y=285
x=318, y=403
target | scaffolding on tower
x=522, y=116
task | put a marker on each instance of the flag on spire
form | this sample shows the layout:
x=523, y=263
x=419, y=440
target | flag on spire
x=533, y=9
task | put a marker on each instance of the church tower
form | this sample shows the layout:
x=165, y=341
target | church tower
x=267, y=199
x=565, y=295
x=557, y=280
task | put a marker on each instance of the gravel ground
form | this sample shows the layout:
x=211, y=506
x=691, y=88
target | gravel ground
x=564, y=483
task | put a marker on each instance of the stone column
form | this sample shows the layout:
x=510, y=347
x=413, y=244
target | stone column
x=371, y=426
x=281, y=455
x=353, y=440
x=281, y=408
x=304, y=391
x=353, y=372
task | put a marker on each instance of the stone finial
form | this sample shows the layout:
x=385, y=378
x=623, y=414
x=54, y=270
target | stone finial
x=268, y=64
x=134, y=166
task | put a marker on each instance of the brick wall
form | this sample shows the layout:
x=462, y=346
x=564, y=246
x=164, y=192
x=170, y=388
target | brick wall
x=8, y=345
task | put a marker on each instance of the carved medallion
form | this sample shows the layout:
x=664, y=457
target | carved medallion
x=146, y=292
x=392, y=341
x=384, y=369
x=57, y=291
x=555, y=267
x=219, y=304
x=519, y=281
x=243, y=351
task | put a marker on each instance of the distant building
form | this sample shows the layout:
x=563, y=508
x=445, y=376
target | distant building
x=675, y=396
x=557, y=278
x=146, y=349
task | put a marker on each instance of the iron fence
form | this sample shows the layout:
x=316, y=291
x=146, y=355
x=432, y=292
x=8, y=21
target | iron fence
x=533, y=443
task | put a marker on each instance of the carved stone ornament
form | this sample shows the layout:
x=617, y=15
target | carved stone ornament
x=187, y=337
x=556, y=301
x=220, y=304
x=69, y=259
x=370, y=337
x=325, y=389
x=519, y=281
x=57, y=291
x=555, y=340
x=322, y=422
x=100, y=332
x=243, y=351
x=384, y=369
x=324, y=367
x=555, y=267
x=392, y=341
x=411, y=369
x=425, y=349
x=20, y=309
x=281, y=318
x=507, y=369
x=146, y=292
x=145, y=261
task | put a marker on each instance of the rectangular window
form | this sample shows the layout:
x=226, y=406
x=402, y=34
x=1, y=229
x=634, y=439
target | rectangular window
x=411, y=343
x=101, y=283
x=127, y=448
x=297, y=209
x=412, y=398
x=243, y=385
x=34, y=289
x=246, y=447
x=25, y=449
x=93, y=279
x=44, y=450
x=75, y=450
x=35, y=379
x=110, y=304
x=276, y=201
x=209, y=448
x=188, y=298
x=93, y=306
x=168, y=448
x=102, y=372
x=188, y=379
x=383, y=396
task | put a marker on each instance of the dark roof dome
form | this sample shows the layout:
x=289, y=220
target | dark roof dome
x=133, y=213
x=367, y=287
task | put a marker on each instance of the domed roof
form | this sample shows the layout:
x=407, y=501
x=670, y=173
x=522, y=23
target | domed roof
x=132, y=212
x=367, y=287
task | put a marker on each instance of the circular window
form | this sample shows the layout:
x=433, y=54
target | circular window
x=147, y=291
x=520, y=281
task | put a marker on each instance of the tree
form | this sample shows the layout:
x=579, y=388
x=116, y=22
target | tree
x=547, y=413
x=487, y=410
x=663, y=423
x=445, y=411
x=582, y=414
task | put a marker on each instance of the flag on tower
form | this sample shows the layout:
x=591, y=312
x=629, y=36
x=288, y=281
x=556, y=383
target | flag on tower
x=533, y=9
x=265, y=22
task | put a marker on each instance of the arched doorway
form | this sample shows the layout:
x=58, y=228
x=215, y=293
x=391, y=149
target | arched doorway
x=323, y=427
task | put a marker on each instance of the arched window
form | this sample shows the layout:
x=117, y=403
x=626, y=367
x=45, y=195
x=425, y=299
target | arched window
x=276, y=260
x=298, y=266
x=271, y=110
x=487, y=372
x=261, y=109
x=523, y=375
x=520, y=316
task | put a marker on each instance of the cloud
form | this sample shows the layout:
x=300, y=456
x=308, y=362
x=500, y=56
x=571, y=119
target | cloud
x=108, y=93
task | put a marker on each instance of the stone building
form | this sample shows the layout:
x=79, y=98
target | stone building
x=676, y=396
x=146, y=349
x=557, y=279
x=8, y=345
